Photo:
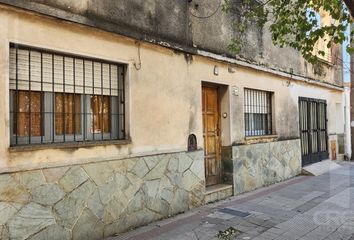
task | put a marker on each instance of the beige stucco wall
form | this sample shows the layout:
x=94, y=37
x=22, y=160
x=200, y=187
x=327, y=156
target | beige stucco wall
x=164, y=96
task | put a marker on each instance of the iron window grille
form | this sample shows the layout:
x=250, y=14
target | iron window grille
x=57, y=97
x=258, y=112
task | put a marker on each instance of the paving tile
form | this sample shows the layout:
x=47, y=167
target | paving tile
x=220, y=215
x=267, y=236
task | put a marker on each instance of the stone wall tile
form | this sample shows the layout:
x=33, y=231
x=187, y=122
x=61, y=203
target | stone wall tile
x=123, y=166
x=7, y=211
x=179, y=204
x=197, y=168
x=117, y=227
x=175, y=178
x=258, y=165
x=73, y=178
x=158, y=205
x=151, y=161
x=106, y=198
x=165, y=189
x=197, y=195
x=29, y=220
x=53, y=232
x=114, y=208
x=94, y=203
x=189, y=180
x=100, y=173
x=151, y=187
x=108, y=191
x=140, y=169
x=173, y=164
x=121, y=181
x=11, y=191
x=184, y=162
x=167, y=195
x=88, y=227
x=141, y=218
x=165, y=183
x=137, y=203
x=159, y=170
x=196, y=155
x=4, y=233
x=135, y=184
x=295, y=164
x=30, y=179
x=239, y=181
x=52, y=175
x=69, y=209
x=47, y=194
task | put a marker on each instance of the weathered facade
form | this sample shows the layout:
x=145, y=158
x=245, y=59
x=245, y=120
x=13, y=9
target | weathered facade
x=177, y=79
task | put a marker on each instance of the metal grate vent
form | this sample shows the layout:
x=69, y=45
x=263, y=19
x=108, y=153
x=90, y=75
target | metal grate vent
x=234, y=212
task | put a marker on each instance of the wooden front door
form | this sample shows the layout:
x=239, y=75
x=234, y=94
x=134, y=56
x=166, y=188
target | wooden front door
x=211, y=135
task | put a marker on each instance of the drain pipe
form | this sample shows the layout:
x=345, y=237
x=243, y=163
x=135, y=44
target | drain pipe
x=348, y=141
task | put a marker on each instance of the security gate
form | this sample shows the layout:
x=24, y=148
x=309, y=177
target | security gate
x=313, y=130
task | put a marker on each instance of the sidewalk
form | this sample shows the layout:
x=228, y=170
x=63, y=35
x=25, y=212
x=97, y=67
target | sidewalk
x=307, y=208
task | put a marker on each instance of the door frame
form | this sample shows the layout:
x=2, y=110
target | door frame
x=217, y=87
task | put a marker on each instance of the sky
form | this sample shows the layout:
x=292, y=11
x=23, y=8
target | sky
x=346, y=59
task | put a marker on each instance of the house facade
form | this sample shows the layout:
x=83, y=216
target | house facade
x=115, y=114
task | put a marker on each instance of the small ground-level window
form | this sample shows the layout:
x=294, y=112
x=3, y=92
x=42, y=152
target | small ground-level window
x=56, y=97
x=258, y=112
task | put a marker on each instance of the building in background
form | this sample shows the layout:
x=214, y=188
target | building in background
x=115, y=114
x=347, y=125
x=349, y=67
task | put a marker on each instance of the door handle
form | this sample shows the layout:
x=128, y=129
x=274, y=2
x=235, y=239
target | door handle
x=217, y=132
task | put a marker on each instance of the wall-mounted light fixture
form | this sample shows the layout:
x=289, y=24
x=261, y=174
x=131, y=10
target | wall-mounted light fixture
x=235, y=90
x=216, y=70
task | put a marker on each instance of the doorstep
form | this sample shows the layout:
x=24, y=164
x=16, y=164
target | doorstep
x=218, y=192
x=320, y=168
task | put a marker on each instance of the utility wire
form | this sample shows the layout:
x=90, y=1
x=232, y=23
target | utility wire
x=208, y=16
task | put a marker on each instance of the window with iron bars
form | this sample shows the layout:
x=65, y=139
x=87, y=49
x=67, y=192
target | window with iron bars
x=57, y=97
x=258, y=112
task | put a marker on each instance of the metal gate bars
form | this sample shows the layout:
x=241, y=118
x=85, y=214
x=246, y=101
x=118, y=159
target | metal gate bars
x=313, y=130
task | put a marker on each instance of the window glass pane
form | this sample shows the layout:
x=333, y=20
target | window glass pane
x=257, y=107
x=29, y=113
x=100, y=114
x=67, y=114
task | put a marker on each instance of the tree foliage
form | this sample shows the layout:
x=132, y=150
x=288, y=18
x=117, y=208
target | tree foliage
x=293, y=23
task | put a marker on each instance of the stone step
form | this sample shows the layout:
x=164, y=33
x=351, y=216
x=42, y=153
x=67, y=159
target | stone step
x=218, y=192
x=320, y=168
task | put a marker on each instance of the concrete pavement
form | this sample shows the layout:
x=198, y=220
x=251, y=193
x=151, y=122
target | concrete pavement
x=306, y=208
